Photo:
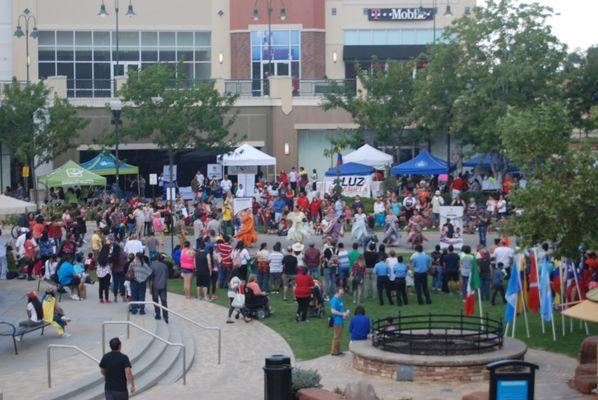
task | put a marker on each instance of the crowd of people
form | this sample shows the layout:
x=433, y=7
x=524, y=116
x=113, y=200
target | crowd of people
x=218, y=246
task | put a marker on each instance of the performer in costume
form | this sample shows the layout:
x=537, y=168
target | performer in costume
x=247, y=231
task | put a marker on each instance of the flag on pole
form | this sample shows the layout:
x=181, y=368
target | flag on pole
x=522, y=284
x=339, y=158
x=533, y=297
x=512, y=295
x=545, y=294
x=473, y=284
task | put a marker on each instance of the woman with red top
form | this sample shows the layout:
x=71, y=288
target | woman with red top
x=55, y=230
x=283, y=178
x=303, y=285
x=187, y=267
x=303, y=202
x=290, y=197
x=315, y=209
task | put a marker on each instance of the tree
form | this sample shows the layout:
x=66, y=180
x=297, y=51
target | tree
x=385, y=110
x=502, y=55
x=533, y=135
x=160, y=105
x=580, y=88
x=559, y=204
x=34, y=128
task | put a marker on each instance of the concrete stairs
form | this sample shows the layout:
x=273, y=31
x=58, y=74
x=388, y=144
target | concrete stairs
x=153, y=361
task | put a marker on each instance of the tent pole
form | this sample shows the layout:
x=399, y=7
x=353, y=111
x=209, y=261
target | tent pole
x=138, y=188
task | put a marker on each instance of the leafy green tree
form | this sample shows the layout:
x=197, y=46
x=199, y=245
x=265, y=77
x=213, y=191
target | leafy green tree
x=580, y=88
x=559, y=204
x=36, y=128
x=385, y=110
x=161, y=105
x=534, y=134
x=505, y=55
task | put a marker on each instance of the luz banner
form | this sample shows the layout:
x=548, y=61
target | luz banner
x=353, y=185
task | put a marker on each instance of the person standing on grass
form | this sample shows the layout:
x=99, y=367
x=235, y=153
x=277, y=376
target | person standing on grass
x=421, y=263
x=371, y=258
x=466, y=263
x=303, y=285
x=497, y=280
x=337, y=309
x=275, y=262
x=203, y=270
x=289, y=271
x=400, y=272
x=116, y=369
x=103, y=273
x=451, y=269
x=358, y=273
x=263, y=267
x=187, y=267
x=382, y=271
x=159, y=280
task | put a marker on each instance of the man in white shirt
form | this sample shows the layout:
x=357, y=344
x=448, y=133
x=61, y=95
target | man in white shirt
x=437, y=202
x=503, y=254
x=200, y=178
x=240, y=191
x=20, y=243
x=293, y=177
x=226, y=185
x=133, y=245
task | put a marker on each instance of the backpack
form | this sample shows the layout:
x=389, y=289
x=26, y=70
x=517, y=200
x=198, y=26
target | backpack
x=358, y=278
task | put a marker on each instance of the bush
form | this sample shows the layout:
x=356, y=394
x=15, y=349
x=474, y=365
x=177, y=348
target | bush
x=305, y=378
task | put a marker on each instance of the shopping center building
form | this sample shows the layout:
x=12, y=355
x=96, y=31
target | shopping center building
x=280, y=80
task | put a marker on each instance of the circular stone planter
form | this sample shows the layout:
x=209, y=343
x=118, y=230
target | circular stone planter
x=425, y=368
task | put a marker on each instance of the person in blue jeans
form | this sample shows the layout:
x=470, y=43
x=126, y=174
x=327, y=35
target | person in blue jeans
x=344, y=266
x=438, y=276
x=360, y=325
x=382, y=271
x=421, y=262
x=482, y=225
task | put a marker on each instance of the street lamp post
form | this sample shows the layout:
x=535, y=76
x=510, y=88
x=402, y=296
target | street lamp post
x=282, y=16
x=27, y=18
x=104, y=13
x=116, y=107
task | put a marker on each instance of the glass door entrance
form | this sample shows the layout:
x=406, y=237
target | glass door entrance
x=123, y=69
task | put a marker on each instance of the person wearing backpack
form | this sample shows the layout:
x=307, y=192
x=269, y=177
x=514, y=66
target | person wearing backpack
x=241, y=259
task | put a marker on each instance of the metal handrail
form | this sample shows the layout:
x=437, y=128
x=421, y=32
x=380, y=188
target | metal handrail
x=129, y=323
x=64, y=346
x=208, y=328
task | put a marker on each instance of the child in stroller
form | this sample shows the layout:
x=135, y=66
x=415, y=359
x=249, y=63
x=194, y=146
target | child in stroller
x=316, y=303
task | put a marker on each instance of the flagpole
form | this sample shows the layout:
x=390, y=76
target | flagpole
x=539, y=296
x=579, y=293
x=552, y=321
x=524, y=305
x=563, y=300
x=481, y=311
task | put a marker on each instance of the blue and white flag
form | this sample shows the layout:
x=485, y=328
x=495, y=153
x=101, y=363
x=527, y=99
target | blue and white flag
x=513, y=290
x=545, y=294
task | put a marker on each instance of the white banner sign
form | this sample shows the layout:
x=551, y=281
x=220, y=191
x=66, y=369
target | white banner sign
x=454, y=213
x=248, y=182
x=215, y=171
x=353, y=185
x=187, y=193
x=166, y=173
x=153, y=179
x=242, y=170
x=242, y=203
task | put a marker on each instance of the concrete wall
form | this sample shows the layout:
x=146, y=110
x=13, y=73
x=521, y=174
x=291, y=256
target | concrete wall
x=309, y=13
x=6, y=40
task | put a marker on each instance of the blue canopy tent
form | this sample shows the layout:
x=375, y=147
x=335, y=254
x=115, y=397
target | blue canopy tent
x=350, y=169
x=422, y=164
x=485, y=160
x=104, y=164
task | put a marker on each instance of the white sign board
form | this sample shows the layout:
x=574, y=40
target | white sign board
x=166, y=173
x=153, y=179
x=353, y=185
x=248, y=182
x=242, y=170
x=187, y=193
x=214, y=171
x=242, y=203
x=170, y=193
x=455, y=214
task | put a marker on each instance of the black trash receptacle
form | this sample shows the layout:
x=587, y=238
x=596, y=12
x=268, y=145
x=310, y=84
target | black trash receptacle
x=278, y=378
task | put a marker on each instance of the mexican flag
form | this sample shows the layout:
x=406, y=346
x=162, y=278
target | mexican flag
x=473, y=284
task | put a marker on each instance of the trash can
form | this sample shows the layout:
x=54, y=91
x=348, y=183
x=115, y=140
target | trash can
x=512, y=379
x=278, y=378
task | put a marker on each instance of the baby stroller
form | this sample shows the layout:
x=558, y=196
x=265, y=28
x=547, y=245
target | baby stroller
x=255, y=306
x=316, y=303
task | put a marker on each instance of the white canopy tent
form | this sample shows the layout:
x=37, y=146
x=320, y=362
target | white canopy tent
x=11, y=206
x=370, y=156
x=246, y=156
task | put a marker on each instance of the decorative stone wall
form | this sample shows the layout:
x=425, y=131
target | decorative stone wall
x=240, y=50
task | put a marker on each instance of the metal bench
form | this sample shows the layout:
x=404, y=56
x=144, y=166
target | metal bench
x=20, y=331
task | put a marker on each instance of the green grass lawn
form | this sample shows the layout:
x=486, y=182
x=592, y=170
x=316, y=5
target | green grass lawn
x=312, y=339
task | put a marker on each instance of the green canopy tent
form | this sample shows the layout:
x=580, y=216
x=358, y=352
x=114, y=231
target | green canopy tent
x=71, y=174
x=104, y=164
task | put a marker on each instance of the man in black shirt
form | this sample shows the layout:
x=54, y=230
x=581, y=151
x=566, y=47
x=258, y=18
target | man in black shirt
x=289, y=271
x=371, y=258
x=116, y=368
x=451, y=268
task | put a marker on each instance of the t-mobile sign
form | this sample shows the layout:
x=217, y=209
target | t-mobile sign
x=400, y=14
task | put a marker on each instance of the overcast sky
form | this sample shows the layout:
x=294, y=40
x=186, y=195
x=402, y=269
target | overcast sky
x=576, y=25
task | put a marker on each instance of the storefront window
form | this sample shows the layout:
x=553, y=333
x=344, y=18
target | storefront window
x=391, y=37
x=88, y=58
